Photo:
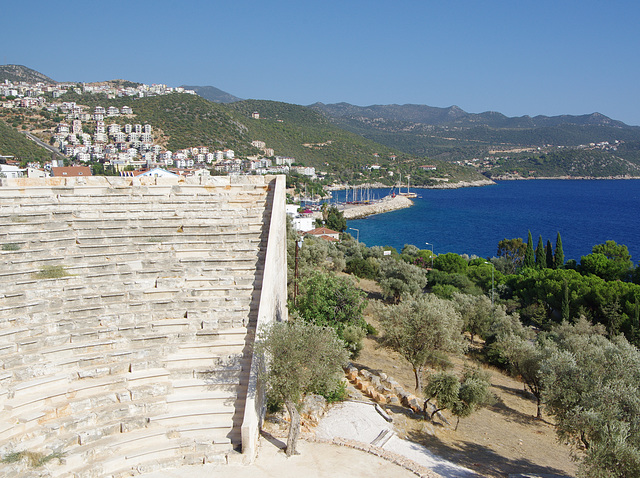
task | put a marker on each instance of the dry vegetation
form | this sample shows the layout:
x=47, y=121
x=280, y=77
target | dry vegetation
x=502, y=439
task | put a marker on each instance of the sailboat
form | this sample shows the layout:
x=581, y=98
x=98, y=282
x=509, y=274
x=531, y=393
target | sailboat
x=408, y=194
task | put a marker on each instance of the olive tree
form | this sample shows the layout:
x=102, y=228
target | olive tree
x=591, y=388
x=398, y=279
x=476, y=312
x=525, y=359
x=423, y=330
x=461, y=396
x=299, y=358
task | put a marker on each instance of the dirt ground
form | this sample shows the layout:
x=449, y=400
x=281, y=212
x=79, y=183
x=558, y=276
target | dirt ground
x=502, y=439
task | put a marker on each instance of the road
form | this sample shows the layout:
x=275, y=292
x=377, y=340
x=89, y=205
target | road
x=42, y=144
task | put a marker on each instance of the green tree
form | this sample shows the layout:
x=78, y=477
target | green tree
x=558, y=257
x=525, y=360
x=541, y=254
x=601, y=265
x=476, y=313
x=451, y=263
x=549, y=254
x=461, y=397
x=299, y=358
x=335, y=220
x=529, y=258
x=513, y=251
x=399, y=279
x=591, y=389
x=331, y=301
x=565, y=302
x=610, y=261
x=423, y=330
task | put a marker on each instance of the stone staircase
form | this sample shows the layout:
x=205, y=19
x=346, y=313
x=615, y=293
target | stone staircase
x=126, y=321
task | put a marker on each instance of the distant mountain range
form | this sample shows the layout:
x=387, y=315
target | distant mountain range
x=455, y=116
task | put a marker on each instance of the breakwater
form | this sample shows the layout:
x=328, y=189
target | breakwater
x=358, y=211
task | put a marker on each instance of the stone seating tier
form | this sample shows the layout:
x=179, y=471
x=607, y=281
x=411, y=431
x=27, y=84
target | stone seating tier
x=139, y=356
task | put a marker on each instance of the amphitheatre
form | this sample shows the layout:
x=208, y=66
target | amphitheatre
x=128, y=307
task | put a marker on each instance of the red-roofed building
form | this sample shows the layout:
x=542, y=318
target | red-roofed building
x=324, y=233
x=71, y=171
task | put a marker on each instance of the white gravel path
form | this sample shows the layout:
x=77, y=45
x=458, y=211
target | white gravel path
x=360, y=422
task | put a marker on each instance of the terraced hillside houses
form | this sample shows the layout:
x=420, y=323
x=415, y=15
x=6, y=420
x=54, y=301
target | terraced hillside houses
x=128, y=309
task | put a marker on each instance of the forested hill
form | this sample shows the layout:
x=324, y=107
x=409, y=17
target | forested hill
x=452, y=134
x=183, y=120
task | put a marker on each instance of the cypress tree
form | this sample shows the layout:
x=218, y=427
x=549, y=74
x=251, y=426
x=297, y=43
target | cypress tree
x=558, y=258
x=529, y=258
x=541, y=255
x=549, y=252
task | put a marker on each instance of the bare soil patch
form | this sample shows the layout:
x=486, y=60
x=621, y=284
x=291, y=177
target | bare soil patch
x=497, y=441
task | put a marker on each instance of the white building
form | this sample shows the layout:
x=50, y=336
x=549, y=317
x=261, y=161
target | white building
x=9, y=171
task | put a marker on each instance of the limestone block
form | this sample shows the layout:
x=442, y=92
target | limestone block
x=373, y=394
x=391, y=383
x=124, y=396
x=133, y=423
x=415, y=404
x=381, y=399
x=393, y=400
x=94, y=373
x=91, y=435
x=313, y=408
x=365, y=374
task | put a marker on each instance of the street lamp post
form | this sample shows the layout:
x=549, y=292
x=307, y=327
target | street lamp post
x=493, y=268
x=295, y=275
x=428, y=244
x=357, y=235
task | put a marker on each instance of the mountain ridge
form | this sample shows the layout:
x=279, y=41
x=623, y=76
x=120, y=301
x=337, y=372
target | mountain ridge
x=18, y=73
x=456, y=116
x=214, y=94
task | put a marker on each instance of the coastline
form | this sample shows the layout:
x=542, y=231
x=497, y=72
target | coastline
x=358, y=211
x=388, y=204
x=441, y=185
x=568, y=178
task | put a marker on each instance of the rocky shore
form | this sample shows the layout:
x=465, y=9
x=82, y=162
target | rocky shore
x=459, y=184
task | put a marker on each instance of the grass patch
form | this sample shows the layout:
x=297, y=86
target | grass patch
x=33, y=459
x=11, y=246
x=52, y=272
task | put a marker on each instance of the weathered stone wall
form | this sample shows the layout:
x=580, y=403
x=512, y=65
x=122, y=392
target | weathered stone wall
x=127, y=311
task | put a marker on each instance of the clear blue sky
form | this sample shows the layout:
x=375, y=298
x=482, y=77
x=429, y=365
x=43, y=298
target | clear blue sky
x=517, y=57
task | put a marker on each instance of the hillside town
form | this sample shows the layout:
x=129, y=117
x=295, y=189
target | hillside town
x=110, y=136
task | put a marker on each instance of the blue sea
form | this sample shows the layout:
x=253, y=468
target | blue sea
x=474, y=220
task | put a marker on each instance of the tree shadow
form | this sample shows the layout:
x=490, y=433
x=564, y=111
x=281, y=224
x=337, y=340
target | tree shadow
x=515, y=415
x=273, y=440
x=482, y=459
x=374, y=295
